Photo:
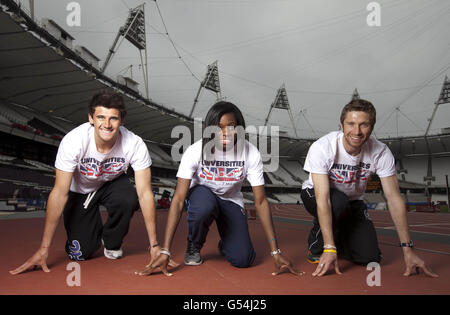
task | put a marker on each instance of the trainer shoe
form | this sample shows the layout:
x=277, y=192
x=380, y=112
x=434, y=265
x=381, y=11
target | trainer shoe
x=313, y=258
x=112, y=254
x=192, y=256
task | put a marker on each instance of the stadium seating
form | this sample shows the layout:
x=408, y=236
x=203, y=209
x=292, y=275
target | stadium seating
x=295, y=168
x=417, y=170
x=13, y=115
x=159, y=157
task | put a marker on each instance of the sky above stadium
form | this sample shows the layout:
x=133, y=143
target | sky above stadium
x=321, y=50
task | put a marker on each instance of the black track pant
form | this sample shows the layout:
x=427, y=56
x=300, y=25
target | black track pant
x=83, y=222
x=354, y=232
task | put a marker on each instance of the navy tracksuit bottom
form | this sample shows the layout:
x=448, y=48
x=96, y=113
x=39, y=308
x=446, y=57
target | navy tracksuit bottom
x=203, y=207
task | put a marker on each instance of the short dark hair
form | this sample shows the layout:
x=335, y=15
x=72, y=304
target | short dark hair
x=360, y=105
x=108, y=99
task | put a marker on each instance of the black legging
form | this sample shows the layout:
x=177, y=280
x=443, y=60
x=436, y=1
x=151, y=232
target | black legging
x=354, y=233
x=83, y=222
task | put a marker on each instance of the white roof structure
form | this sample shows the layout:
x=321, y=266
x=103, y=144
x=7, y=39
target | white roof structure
x=41, y=72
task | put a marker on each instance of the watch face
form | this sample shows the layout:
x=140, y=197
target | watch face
x=278, y=251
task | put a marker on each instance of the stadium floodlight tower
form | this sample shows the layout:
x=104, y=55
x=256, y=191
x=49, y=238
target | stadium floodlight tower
x=211, y=82
x=281, y=102
x=444, y=98
x=31, y=9
x=355, y=95
x=134, y=31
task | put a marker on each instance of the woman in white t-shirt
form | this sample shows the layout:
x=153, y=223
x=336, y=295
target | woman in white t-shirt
x=210, y=178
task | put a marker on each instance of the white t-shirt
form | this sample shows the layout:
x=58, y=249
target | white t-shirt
x=224, y=172
x=78, y=153
x=348, y=173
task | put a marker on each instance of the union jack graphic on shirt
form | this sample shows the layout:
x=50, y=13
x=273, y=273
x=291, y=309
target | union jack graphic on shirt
x=348, y=174
x=93, y=168
x=222, y=174
x=347, y=177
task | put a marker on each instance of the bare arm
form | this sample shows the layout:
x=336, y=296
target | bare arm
x=396, y=206
x=265, y=215
x=55, y=206
x=397, y=210
x=322, y=194
x=173, y=219
x=147, y=202
x=175, y=210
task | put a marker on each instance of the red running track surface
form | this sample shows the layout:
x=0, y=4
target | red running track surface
x=21, y=237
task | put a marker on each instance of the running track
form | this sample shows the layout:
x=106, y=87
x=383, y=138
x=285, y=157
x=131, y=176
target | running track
x=20, y=237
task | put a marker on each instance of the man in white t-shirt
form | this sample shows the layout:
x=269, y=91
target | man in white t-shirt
x=340, y=164
x=90, y=166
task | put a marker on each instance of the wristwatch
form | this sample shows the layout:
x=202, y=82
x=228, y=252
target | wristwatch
x=410, y=244
x=275, y=252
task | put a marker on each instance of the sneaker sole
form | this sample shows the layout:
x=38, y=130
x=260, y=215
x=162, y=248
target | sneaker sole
x=314, y=262
x=110, y=256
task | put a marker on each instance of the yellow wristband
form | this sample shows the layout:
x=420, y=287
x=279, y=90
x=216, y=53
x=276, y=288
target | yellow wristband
x=330, y=251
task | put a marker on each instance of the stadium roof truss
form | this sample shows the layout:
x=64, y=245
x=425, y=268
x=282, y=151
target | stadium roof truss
x=39, y=71
x=43, y=73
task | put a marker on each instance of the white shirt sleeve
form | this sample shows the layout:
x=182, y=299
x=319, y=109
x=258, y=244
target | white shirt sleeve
x=316, y=160
x=189, y=163
x=68, y=155
x=385, y=164
x=255, y=171
x=141, y=158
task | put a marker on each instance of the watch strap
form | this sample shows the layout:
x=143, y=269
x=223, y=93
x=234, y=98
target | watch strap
x=275, y=252
x=410, y=244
